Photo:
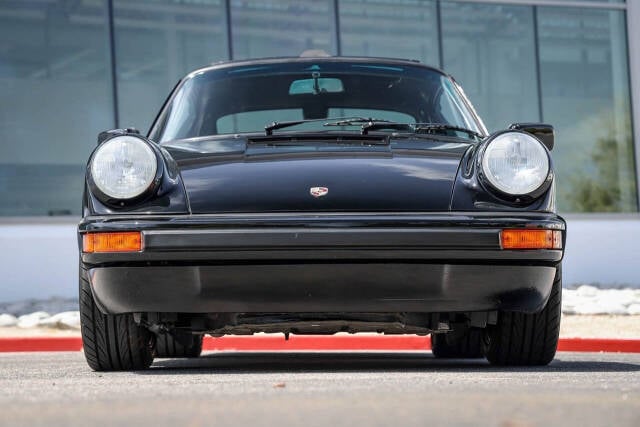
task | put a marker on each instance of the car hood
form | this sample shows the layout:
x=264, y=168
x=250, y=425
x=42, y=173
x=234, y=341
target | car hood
x=407, y=176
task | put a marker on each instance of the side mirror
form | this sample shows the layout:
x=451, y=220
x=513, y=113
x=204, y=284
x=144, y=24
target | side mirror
x=543, y=132
x=108, y=134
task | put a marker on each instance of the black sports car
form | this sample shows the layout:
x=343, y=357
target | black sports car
x=318, y=195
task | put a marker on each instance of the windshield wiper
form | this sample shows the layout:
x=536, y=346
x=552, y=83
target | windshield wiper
x=355, y=121
x=430, y=127
x=335, y=121
x=386, y=125
x=418, y=128
x=369, y=124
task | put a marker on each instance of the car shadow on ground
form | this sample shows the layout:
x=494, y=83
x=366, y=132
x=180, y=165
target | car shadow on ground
x=301, y=362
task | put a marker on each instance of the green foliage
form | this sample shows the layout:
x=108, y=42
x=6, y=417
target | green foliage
x=606, y=189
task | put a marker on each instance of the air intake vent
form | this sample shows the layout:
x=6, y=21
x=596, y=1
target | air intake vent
x=320, y=138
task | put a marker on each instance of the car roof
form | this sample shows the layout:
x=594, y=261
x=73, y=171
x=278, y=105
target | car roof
x=316, y=59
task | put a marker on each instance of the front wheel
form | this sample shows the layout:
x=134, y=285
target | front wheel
x=111, y=342
x=527, y=339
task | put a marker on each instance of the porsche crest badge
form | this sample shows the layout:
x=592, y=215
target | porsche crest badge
x=318, y=191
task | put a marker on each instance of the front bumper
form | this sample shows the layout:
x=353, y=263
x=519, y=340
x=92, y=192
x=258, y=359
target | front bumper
x=283, y=263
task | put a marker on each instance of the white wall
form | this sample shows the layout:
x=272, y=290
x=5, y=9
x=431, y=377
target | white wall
x=40, y=260
x=602, y=249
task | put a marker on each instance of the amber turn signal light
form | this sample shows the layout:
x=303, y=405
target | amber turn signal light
x=128, y=241
x=531, y=239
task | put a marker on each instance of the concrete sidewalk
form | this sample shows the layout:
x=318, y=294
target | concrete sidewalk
x=600, y=326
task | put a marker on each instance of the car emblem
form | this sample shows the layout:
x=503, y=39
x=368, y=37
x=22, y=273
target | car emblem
x=318, y=191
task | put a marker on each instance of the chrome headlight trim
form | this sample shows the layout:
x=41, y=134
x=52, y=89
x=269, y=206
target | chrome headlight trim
x=124, y=167
x=515, y=163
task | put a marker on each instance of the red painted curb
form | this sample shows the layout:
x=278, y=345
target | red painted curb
x=316, y=343
x=607, y=345
x=10, y=344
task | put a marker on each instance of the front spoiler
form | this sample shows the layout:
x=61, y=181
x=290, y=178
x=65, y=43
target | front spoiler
x=322, y=263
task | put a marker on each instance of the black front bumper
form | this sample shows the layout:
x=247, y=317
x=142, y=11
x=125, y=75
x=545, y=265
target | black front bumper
x=322, y=263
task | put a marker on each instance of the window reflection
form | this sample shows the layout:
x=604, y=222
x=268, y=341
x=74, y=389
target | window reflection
x=585, y=94
x=490, y=50
x=56, y=89
x=386, y=28
x=281, y=28
x=55, y=96
x=157, y=43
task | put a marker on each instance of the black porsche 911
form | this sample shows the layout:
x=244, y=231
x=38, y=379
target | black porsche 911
x=318, y=195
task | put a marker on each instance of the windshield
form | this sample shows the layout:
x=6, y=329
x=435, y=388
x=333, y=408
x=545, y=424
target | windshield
x=246, y=98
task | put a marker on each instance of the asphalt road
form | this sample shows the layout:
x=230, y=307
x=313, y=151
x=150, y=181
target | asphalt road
x=330, y=389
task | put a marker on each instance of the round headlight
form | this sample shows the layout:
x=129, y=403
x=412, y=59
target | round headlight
x=515, y=163
x=124, y=167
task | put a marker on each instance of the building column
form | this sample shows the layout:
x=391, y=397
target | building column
x=633, y=37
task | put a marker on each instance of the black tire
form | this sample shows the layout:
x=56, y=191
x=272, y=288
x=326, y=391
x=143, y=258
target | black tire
x=168, y=346
x=527, y=339
x=469, y=346
x=111, y=342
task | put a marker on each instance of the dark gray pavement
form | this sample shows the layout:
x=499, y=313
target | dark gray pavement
x=321, y=389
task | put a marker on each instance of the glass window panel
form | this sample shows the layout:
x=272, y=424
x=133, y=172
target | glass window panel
x=157, y=43
x=252, y=121
x=585, y=88
x=395, y=29
x=490, y=50
x=392, y=116
x=55, y=96
x=283, y=28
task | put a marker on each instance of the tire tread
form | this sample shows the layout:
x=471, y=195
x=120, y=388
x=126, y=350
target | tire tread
x=169, y=347
x=528, y=339
x=111, y=342
x=469, y=346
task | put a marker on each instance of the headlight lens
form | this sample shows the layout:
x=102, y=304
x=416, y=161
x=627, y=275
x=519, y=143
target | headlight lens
x=515, y=163
x=124, y=167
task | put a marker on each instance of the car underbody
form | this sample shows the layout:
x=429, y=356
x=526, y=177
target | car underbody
x=219, y=324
